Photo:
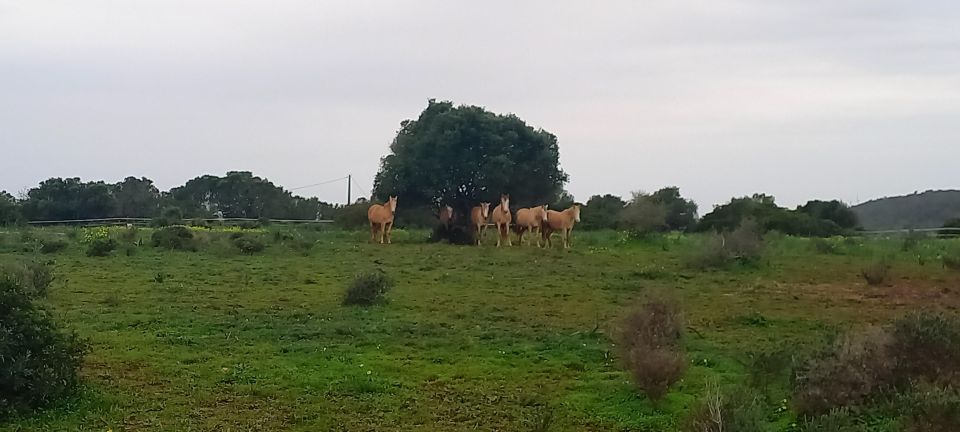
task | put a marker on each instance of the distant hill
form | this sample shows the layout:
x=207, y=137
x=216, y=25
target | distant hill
x=929, y=209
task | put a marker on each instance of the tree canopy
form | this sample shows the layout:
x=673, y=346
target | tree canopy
x=804, y=221
x=460, y=155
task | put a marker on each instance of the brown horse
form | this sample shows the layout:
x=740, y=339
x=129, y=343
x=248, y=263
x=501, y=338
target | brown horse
x=478, y=217
x=562, y=221
x=530, y=219
x=446, y=216
x=502, y=218
x=381, y=219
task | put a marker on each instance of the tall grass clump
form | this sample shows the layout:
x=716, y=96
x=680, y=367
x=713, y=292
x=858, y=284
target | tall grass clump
x=38, y=360
x=367, y=289
x=649, y=341
x=720, y=411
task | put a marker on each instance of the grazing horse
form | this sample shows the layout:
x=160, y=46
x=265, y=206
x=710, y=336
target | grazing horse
x=562, y=221
x=478, y=217
x=381, y=219
x=530, y=219
x=502, y=218
x=446, y=216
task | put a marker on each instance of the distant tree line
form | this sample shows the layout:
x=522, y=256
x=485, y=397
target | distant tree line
x=236, y=194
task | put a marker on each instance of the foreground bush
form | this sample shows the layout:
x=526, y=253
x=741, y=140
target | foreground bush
x=921, y=348
x=721, y=411
x=33, y=278
x=650, y=347
x=101, y=247
x=38, y=361
x=176, y=237
x=247, y=244
x=367, y=289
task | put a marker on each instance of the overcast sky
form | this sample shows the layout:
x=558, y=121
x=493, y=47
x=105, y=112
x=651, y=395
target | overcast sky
x=799, y=99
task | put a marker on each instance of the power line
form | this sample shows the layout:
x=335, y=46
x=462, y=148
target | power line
x=319, y=184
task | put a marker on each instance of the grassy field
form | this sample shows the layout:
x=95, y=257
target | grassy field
x=471, y=338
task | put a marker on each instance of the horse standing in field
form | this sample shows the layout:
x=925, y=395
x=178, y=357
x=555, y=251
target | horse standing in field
x=381, y=219
x=478, y=217
x=502, y=218
x=446, y=216
x=530, y=219
x=562, y=221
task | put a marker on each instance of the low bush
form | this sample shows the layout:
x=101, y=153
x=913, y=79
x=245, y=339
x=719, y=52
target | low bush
x=951, y=259
x=38, y=360
x=927, y=347
x=720, y=411
x=650, y=347
x=837, y=420
x=246, y=243
x=168, y=216
x=49, y=246
x=824, y=246
x=367, y=289
x=744, y=244
x=931, y=409
x=33, y=277
x=853, y=369
x=876, y=273
x=176, y=237
x=101, y=247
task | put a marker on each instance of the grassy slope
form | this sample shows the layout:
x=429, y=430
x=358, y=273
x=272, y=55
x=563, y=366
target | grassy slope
x=472, y=338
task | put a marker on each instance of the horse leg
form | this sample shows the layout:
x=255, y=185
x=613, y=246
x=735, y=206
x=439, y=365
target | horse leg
x=373, y=232
x=566, y=238
x=520, y=235
x=499, y=234
x=387, y=227
x=506, y=234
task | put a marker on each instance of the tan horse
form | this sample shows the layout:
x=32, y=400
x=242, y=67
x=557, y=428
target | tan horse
x=381, y=219
x=478, y=217
x=501, y=217
x=562, y=221
x=530, y=219
x=446, y=216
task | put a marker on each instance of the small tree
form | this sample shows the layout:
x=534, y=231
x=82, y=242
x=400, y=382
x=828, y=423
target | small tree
x=644, y=215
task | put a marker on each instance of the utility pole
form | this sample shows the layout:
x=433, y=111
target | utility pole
x=349, y=183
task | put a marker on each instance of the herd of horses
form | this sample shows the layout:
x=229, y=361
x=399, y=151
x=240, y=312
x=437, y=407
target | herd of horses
x=539, y=219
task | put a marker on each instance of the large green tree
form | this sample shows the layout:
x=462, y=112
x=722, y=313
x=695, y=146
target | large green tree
x=602, y=212
x=681, y=213
x=242, y=194
x=69, y=198
x=136, y=197
x=9, y=209
x=460, y=155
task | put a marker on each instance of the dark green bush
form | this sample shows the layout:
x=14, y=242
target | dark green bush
x=101, y=247
x=927, y=346
x=49, y=246
x=931, y=409
x=367, y=289
x=824, y=246
x=246, y=243
x=168, y=216
x=744, y=245
x=837, y=420
x=38, y=361
x=32, y=277
x=176, y=237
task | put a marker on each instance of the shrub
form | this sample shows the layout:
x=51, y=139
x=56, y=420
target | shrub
x=246, y=243
x=720, y=411
x=746, y=242
x=823, y=246
x=101, y=247
x=643, y=215
x=649, y=343
x=351, y=216
x=927, y=346
x=168, y=216
x=49, y=246
x=367, y=289
x=130, y=234
x=931, y=410
x=837, y=420
x=33, y=278
x=876, y=273
x=176, y=237
x=854, y=368
x=951, y=259
x=38, y=361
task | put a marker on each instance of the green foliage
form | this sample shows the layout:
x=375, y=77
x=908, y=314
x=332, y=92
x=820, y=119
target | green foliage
x=927, y=346
x=837, y=420
x=769, y=216
x=136, y=197
x=649, y=341
x=247, y=243
x=176, y=237
x=9, y=210
x=354, y=215
x=242, y=194
x=168, y=216
x=601, y=212
x=681, y=213
x=32, y=277
x=743, y=245
x=461, y=155
x=52, y=245
x=367, y=289
x=834, y=211
x=644, y=215
x=58, y=199
x=931, y=409
x=101, y=247
x=38, y=361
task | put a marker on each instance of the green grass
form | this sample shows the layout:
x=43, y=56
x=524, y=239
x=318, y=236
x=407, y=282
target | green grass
x=470, y=339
